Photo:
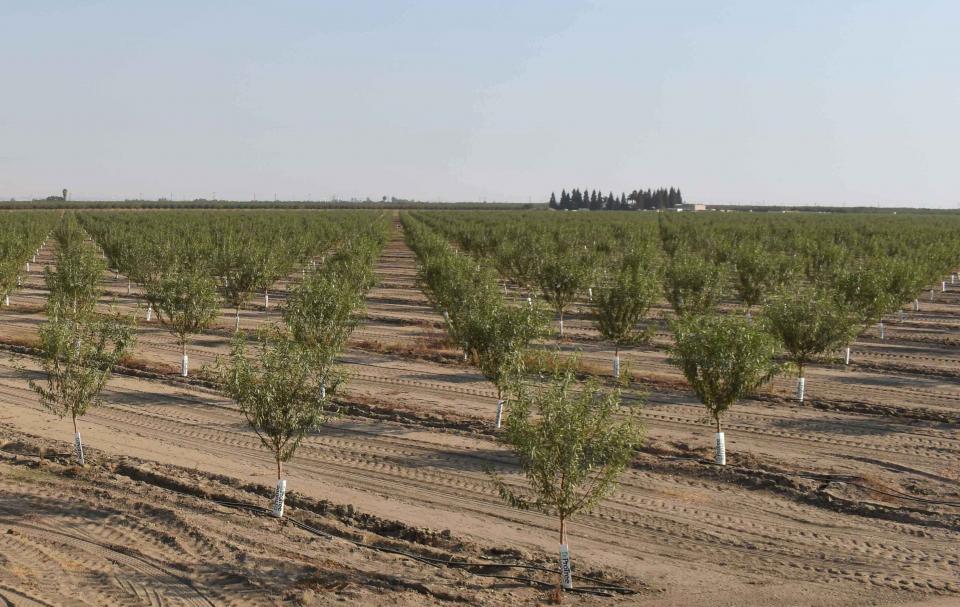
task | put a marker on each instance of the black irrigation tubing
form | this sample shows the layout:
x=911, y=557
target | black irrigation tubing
x=601, y=587
x=835, y=478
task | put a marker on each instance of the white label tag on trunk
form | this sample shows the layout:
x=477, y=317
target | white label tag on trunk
x=566, y=577
x=78, y=449
x=279, y=497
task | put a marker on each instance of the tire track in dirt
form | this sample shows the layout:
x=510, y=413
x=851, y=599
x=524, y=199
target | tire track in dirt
x=624, y=521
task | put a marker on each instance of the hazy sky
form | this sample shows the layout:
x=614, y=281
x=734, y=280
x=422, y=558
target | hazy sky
x=767, y=101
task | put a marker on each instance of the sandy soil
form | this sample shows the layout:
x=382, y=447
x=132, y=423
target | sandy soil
x=823, y=504
x=124, y=531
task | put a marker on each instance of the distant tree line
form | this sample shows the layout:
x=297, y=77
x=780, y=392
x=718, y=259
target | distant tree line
x=637, y=200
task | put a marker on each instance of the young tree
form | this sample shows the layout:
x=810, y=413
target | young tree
x=186, y=302
x=573, y=441
x=521, y=261
x=808, y=322
x=79, y=348
x=562, y=275
x=75, y=284
x=867, y=288
x=725, y=358
x=279, y=395
x=692, y=284
x=321, y=315
x=78, y=356
x=242, y=266
x=498, y=336
x=758, y=272
x=623, y=302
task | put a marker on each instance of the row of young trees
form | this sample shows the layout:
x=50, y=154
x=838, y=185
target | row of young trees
x=816, y=283
x=283, y=386
x=857, y=271
x=572, y=439
x=189, y=264
x=637, y=200
x=21, y=236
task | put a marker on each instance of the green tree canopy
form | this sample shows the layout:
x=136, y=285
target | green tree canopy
x=572, y=440
x=724, y=358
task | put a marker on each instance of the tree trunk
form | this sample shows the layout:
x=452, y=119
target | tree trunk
x=280, y=496
x=720, y=446
x=77, y=442
x=566, y=579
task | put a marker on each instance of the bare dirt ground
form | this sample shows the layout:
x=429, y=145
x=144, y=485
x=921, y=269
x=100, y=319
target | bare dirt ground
x=850, y=499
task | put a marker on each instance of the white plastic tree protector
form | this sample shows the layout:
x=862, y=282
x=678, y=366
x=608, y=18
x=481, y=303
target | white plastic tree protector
x=128, y=287
x=916, y=305
x=561, y=327
x=530, y=301
x=266, y=300
x=78, y=449
x=323, y=391
x=499, y=412
x=847, y=361
x=616, y=365
x=801, y=388
x=279, y=497
x=149, y=312
x=881, y=329
x=943, y=286
x=590, y=293
x=566, y=576
x=720, y=450
x=28, y=266
x=184, y=365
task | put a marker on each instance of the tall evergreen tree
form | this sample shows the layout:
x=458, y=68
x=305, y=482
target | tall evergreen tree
x=576, y=199
x=553, y=201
